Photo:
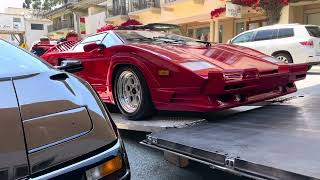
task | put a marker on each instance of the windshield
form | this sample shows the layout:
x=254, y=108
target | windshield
x=158, y=37
x=15, y=61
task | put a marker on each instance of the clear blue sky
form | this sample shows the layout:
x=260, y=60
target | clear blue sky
x=10, y=3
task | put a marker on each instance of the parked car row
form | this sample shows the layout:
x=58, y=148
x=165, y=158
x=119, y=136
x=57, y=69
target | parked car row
x=291, y=43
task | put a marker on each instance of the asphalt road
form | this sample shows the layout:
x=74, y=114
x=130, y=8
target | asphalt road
x=147, y=163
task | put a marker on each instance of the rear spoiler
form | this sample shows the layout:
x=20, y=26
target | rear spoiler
x=64, y=46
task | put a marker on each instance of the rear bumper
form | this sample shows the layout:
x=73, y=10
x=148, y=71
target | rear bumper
x=219, y=94
x=77, y=170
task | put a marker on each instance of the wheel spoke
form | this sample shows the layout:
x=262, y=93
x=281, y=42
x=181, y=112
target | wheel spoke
x=129, y=91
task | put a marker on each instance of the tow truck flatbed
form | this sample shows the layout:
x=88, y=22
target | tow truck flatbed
x=158, y=123
x=276, y=141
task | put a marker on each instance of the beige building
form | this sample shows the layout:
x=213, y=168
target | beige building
x=21, y=26
x=195, y=19
x=73, y=15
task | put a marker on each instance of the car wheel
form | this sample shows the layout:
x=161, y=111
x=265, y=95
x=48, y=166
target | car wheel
x=285, y=57
x=132, y=94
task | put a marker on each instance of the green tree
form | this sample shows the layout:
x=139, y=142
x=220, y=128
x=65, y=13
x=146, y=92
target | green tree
x=36, y=4
x=41, y=6
x=27, y=4
x=271, y=8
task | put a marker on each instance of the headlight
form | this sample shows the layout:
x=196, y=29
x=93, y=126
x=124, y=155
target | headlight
x=197, y=65
x=105, y=169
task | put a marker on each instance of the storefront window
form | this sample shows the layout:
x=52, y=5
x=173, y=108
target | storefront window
x=254, y=25
x=202, y=33
x=221, y=29
x=190, y=33
x=240, y=28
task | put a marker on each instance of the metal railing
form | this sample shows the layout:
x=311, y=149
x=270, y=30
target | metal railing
x=118, y=7
x=136, y=5
x=123, y=7
x=60, y=25
x=169, y=1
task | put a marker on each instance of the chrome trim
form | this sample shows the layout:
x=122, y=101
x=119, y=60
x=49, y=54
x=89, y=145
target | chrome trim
x=125, y=175
x=92, y=160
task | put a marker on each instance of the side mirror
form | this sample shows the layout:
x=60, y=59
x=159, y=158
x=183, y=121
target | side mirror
x=92, y=46
x=229, y=41
x=71, y=66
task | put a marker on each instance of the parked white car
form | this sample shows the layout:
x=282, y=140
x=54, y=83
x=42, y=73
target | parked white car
x=292, y=43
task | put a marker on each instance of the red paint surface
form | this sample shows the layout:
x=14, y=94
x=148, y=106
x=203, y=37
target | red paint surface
x=186, y=90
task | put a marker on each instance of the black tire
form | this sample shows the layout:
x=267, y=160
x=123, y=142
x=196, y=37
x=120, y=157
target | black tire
x=284, y=55
x=146, y=108
x=112, y=108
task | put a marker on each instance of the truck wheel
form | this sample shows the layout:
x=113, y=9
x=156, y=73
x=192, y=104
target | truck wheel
x=132, y=94
x=285, y=57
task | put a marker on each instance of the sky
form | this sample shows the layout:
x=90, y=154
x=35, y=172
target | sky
x=10, y=3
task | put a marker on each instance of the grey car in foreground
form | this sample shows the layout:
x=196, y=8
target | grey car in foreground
x=53, y=124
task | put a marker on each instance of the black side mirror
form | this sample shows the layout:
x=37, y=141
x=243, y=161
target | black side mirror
x=71, y=66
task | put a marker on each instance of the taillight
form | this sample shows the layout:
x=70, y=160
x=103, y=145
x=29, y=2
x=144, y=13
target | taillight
x=307, y=43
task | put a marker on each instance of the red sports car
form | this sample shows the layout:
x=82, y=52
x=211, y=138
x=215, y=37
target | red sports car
x=144, y=71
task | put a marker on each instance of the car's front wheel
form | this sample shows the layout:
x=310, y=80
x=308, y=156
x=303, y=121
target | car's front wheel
x=132, y=94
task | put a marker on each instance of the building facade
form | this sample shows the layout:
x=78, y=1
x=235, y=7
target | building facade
x=195, y=19
x=77, y=15
x=21, y=27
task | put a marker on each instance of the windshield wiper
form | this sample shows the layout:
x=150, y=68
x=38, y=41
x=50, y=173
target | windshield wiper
x=170, y=40
x=140, y=39
x=208, y=44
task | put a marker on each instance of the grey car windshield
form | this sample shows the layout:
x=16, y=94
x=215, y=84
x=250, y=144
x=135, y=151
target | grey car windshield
x=15, y=61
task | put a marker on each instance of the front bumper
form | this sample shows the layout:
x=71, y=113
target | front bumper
x=77, y=169
x=219, y=93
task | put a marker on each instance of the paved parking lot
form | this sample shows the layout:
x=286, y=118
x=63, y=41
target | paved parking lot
x=147, y=163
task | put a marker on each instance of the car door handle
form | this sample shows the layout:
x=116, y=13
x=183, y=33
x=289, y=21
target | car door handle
x=59, y=77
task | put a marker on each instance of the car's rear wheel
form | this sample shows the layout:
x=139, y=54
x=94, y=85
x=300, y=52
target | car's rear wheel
x=285, y=57
x=132, y=94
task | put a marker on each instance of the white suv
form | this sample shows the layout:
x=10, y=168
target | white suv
x=292, y=43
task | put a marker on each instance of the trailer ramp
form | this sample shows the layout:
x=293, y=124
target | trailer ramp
x=158, y=123
x=277, y=141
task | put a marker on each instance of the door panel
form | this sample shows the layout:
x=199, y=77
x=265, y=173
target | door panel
x=96, y=65
x=62, y=119
x=49, y=128
x=13, y=157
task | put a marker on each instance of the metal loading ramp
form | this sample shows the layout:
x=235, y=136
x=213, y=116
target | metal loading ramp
x=158, y=123
x=277, y=141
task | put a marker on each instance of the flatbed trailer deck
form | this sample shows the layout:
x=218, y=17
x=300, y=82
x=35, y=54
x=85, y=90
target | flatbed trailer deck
x=276, y=141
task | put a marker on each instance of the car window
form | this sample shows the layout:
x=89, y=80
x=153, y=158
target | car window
x=246, y=37
x=91, y=39
x=16, y=62
x=265, y=35
x=109, y=41
x=313, y=31
x=285, y=32
x=95, y=38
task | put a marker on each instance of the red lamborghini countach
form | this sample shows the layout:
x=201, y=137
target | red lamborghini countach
x=144, y=71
